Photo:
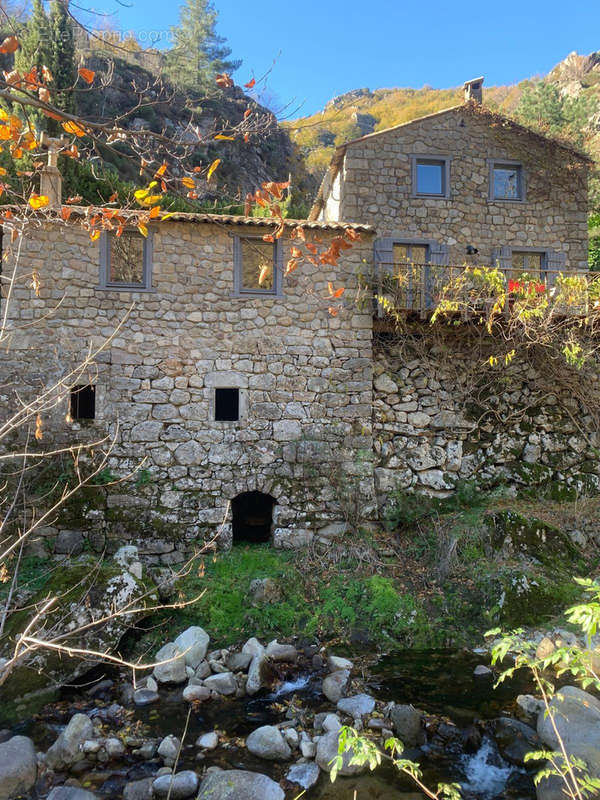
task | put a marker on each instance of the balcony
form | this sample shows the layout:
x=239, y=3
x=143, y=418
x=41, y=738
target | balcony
x=465, y=291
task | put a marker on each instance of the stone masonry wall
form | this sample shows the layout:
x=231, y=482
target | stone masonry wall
x=440, y=418
x=305, y=379
x=376, y=188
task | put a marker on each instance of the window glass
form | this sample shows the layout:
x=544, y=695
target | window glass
x=127, y=259
x=430, y=177
x=410, y=254
x=507, y=182
x=532, y=263
x=258, y=259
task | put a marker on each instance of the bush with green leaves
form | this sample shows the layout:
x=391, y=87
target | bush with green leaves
x=576, y=661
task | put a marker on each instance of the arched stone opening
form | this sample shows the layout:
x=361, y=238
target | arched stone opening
x=252, y=517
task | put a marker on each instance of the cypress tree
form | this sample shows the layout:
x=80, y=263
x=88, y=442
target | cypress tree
x=62, y=56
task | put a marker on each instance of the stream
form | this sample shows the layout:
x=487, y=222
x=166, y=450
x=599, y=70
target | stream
x=440, y=682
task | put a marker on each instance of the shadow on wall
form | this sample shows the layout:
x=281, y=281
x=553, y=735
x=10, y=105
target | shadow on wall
x=252, y=517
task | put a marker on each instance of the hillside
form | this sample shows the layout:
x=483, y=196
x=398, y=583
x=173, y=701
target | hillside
x=364, y=111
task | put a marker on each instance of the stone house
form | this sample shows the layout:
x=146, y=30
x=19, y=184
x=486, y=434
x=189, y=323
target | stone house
x=244, y=410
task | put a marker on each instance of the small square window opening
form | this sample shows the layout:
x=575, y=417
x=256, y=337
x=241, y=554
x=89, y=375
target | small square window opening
x=227, y=405
x=507, y=182
x=430, y=177
x=258, y=265
x=83, y=402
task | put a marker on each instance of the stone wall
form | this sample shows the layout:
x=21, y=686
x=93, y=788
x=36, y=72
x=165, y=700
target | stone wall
x=305, y=380
x=374, y=185
x=441, y=418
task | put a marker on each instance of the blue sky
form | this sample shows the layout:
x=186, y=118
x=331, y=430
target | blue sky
x=326, y=47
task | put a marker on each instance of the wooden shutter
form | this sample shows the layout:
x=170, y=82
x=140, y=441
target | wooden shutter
x=502, y=257
x=383, y=251
x=555, y=262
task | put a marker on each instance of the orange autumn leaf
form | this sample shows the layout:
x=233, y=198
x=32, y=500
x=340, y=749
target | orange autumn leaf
x=38, y=428
x=251, y=84
x=292, y=264
x=333, y=311
x=212, y=168
x=94, y=235
x=38, y=201
x=351, y=234
x=65, y=213
x=88, y=75
x=223, y=80
x=154, y=212
x=296, y=252
x=268, y=237
x=246, y=137
x=143, y=229
x=160, y=171
x=247, y=113
x=189, y=183
x=9, y=45
x=222, y=138
x=74, y=128
x=2, y=171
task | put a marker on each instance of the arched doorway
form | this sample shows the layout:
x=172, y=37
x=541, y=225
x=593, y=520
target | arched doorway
x=252, y=517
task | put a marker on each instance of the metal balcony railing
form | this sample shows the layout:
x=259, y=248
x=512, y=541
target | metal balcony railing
x=419, y=288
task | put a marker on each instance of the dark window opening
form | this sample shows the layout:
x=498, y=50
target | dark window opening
x=227, y=405
x=252, y=514
x=83, y=402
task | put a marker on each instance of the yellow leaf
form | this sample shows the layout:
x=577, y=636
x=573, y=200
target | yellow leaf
x=212, y=168
x=94, y=235
x=154, y=212
x=263, y=274
x=143, y=229
x=2, y=171
x=38, y=427
x=151, y=200
x=221, y=137
x=140, y=194
x=38, y=201
x=188, y=183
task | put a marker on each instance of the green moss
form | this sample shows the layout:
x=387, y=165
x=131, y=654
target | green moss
x=529, y=537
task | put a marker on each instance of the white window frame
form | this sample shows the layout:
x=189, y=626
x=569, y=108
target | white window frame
x=432, y=158
x=106, y=284
x=498, y=163
x=238, y=289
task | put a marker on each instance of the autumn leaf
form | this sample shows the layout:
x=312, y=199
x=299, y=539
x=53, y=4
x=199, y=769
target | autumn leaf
x=292, y=264
x=88, y=75
x=160, y=171
x=38, y=428
x=222, y=138
x=189, y=183
x=247, y=113
x=333, y=311
x=9, y=45
x=154, y=212
x=38, y=201
x=94, y=235
x=296, y=252
x=263, y=274
x=268, y=237
x=2, y=171
x=351, y=234
x=223, y=80
x=74, y=128
x=212, y=168
x=74, y=198
x=44, y=94
x=246, y=137
x=251, y=84
x=113, y=197
x=65, y=213
x=143, y=229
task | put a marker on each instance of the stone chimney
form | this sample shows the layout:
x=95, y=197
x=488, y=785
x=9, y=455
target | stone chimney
x=50, y=177
x=474, y=91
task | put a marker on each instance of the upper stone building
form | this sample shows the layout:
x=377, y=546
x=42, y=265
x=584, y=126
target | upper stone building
x=460, y=186
x=236, y=405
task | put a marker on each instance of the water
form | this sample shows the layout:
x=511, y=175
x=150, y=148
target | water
x=440, y=682
x=486, y=773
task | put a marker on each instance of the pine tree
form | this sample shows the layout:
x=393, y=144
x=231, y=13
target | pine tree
x=198, y=52
x=62, y=56
x=36, y=41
